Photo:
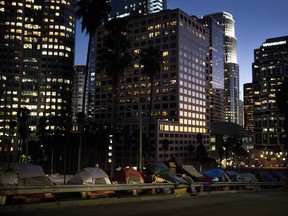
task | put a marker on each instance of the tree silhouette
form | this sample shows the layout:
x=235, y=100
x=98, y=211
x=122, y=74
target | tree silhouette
x=115, y=60
x=92, y=14
x=151, y=61
x=282, y=104
x=165, y=146
x=23, y=129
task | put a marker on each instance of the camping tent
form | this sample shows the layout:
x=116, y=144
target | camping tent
x=217, y=174
x=128, y=176
x=192, y=171
x=183, y=168
x=92, y=175
x=246, y=177
x=26, y=175
x=163, y=174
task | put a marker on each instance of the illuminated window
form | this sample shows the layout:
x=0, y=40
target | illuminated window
x=165, y=53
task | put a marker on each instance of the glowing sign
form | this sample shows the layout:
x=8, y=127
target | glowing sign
x=274, y=43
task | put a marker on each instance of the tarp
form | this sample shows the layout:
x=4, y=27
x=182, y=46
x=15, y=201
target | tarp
x=90, y=175
x=192, y=171
x=214, y=173
x=128, y=175
x=183, y=168
x=217, y=174
x=160, y=170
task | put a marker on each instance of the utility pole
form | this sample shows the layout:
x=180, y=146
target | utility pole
x=140, y=140
x=139, y=119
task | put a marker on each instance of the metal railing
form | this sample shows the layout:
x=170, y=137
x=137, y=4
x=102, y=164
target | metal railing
x=15, y=190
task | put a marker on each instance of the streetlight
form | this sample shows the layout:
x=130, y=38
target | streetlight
x=139, y=119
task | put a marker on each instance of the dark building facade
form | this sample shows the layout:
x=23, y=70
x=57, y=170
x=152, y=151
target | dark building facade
x=131, y=8
x=181, y=99
x=270, y=68
x=248, y=107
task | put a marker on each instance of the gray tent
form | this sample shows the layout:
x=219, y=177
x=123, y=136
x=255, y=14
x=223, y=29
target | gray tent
x=92, y=175
x=26, y=175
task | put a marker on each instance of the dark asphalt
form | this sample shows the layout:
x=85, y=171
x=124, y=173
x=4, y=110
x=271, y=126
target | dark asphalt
x=261, y=203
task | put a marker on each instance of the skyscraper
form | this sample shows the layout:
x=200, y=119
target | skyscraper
x=125, y=8
x=248, y=107
x=36, y=58
x=231, y=73
x=181, y=92
x=216, y=68
x=269, y=71
x=77, y=90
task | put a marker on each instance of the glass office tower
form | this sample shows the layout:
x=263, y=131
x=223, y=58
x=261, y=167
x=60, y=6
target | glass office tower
x=216, y=69
x=231, y=72
x=36, y=58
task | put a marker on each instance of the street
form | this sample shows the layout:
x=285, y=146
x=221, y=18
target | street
x=264, y=203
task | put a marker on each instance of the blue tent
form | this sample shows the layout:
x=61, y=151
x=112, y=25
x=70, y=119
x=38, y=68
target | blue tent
x=213, y=173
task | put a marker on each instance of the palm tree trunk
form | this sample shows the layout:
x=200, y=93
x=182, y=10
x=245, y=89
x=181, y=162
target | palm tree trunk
x=114, y=127
x=150, y=117
x=83, y=105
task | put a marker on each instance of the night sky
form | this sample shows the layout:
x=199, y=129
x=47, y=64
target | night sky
x=255, y=21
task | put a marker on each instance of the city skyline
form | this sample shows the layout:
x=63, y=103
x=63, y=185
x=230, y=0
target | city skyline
x=250, y=20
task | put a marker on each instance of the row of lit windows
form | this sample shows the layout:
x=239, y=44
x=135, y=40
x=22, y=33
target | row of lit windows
x=50, y=53
x=192, y=108
x=61, y=47
x=61, y=27
x=194, y=115
x=176, y=128
x=13, y=24
x=18, y=31
x=192, y=93
x=54, y=100
x=192, y=122
x=52, y=107
x=192, y=100
x=62, y=34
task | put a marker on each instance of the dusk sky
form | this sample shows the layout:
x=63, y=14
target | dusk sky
x=255, y=21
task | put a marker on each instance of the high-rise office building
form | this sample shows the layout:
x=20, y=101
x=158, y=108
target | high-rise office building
x=216, y=69
x=231, y=73
x=136, y=7
x=77, y=90
x=181, y=92
x=269, y=71
x=36, y=58
x=248, y=107
x=125, y=8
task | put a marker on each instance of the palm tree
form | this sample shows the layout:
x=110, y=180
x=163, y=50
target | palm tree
x=115, y=60
x=165, y=146
x=12, y=125
x=23, y=129
x=151, y=60
x=92, y=13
